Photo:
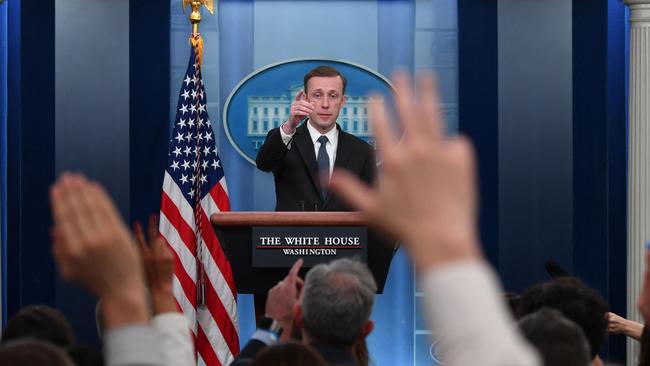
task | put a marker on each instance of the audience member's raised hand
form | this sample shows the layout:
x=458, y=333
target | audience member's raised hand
x=616, y=324
x=283, y=296
x=94, y=249
x=158, y=266
x=427, y=195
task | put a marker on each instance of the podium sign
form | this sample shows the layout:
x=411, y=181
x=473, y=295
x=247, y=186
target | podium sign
x=281, y=246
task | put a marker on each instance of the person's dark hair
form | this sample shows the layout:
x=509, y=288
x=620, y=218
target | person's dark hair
x=559, y=340
x=33, y=352
x=337, y=300
x=576, y=301
x=40, y=322
x=288, y=354
x=324, y=71
x=85, y=356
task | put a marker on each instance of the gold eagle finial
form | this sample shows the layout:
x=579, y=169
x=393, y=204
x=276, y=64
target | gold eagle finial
x=195, y=15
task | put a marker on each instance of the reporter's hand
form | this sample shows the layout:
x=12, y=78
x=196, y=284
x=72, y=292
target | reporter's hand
x=300, y=108
x=427, y=195
x=282, y=297
x=93, y=248
x=158, y=265
x=618, y=325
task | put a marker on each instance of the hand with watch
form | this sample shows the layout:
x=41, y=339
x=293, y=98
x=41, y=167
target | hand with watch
x=280, y=302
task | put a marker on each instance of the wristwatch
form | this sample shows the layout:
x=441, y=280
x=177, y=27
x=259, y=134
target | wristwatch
x=269, y=324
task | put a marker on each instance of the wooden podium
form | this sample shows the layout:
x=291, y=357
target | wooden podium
x=234, y=230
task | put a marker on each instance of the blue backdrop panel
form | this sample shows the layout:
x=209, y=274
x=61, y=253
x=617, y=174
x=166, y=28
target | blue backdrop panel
x=535, y=138
x=92, y=117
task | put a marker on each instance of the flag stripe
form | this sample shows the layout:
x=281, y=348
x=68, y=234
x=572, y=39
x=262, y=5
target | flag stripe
x=187, y=259
x=206, y=350
x=184, y=280
x=219, y=196
x=223, y=321
x=217, y=262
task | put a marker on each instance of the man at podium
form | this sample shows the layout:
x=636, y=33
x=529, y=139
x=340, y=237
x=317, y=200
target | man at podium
x=303, y=156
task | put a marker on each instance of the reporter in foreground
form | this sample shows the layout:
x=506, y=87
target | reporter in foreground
x=427, y=199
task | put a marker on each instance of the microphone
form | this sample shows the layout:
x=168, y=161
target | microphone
x=555, y=270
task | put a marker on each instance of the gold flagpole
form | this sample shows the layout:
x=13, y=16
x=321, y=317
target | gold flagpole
x=195, y=19
x=197, y=45
x=195, y=15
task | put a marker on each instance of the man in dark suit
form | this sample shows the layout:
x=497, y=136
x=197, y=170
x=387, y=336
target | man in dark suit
x=302, y=158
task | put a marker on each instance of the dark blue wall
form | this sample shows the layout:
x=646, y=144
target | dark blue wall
x=30, y=137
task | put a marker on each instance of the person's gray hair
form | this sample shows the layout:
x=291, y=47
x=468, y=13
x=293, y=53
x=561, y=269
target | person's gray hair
x=337, y=300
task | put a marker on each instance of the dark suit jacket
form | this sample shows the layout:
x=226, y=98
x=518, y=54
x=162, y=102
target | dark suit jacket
x=297, y=186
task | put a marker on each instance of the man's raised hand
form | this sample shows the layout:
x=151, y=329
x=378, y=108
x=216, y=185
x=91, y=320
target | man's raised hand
x=300, y=108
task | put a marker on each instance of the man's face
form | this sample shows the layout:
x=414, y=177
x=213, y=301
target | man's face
x=326, y=94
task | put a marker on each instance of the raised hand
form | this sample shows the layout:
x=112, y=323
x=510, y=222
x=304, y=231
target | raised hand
x=158, y=265
x=283, y=296
x=93, y=248
x=427, y=194
x=300, y=108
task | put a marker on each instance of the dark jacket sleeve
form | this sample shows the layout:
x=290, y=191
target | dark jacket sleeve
x=248, y=353
x=272, y=152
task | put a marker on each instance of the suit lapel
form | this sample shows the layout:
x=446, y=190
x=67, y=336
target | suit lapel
x=305, y=147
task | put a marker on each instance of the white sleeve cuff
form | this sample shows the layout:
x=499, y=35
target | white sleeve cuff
x=131, y=345
x=468, y=316
x=286, y=138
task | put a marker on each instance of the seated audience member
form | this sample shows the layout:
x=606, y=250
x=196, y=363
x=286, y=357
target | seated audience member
x=39, y=322
x=576, y=301
x=426, y=198
x=559, y=340
x=332, y=310
x=288, y=354
x=616, y=324
x=33, y=352
x=93, y=248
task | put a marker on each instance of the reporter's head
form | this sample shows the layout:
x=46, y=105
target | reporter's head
x=336, y=302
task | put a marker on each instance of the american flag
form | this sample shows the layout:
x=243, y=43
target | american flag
x=194, y=187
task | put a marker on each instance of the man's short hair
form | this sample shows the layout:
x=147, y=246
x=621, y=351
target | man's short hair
x=576, y=301
x=559, y=340
x=337, y=300
x=324, y=71
x=40, y=322
x=30, y=351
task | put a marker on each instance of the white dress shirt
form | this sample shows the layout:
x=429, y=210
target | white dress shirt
x=331, y=146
